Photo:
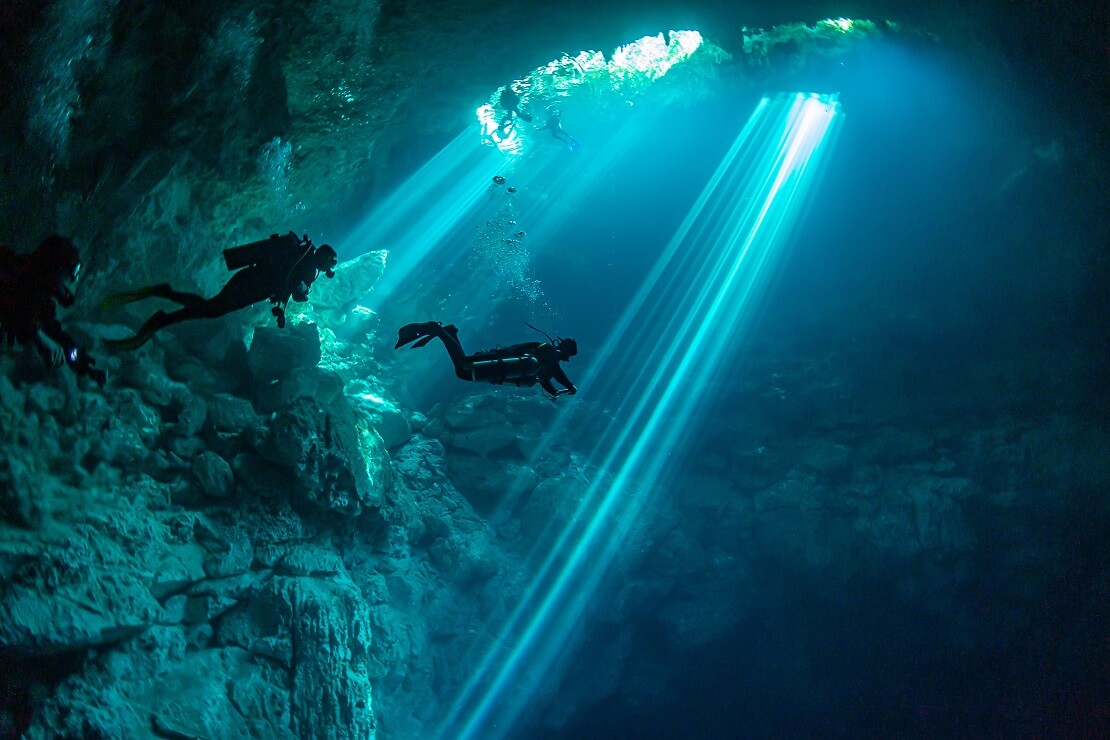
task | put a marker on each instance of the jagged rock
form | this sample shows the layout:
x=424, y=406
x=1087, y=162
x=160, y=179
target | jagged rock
x=484, y=440
x=383, y=413
x=132, y=413
x=475, y=412
x=231, y=557
x=227, y=413
x=196, y=376
x=328, y=456
x=91, y=607
x=260, y=476
x=12, y=404
x=485, y=485
x=552, y=503
x=191, y=416
x=186, y=448
x=150, y=378
x=309, y=560
x=102, y=699
x=213, y=474
x=306, y=382
x=46, y=399
x=529, y=437
x=334, y=299
x=22, y=492
x=182, y=565
x=274, y=353
x=319, y=631
x=192, y=701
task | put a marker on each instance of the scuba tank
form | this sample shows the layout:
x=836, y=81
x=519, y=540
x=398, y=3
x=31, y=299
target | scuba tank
x=502, y=369
x=265, y=250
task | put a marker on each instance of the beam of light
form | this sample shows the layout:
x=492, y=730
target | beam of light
x=419, y=218
x=688, y=317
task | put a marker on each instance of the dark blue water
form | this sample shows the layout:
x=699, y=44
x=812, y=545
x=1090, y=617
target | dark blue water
x=929, y=265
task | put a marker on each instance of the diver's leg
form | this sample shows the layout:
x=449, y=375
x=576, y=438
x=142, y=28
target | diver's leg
x=163, y=290
x=423, y=332
x=245, y=288
x=159, y=320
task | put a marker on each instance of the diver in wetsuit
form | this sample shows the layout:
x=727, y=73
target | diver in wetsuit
x=554, y=124
x=276, y=269
x=510, y=102
x=521, y=365
x=32, y=286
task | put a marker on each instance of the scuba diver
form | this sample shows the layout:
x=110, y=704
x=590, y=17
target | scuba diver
x=554, y=124
x=510, y=102
x=32, y=286
x=522, y=365
x=274, y=269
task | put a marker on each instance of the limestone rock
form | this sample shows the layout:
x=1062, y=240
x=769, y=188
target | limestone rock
x=228, y=413
x=193, y=701
x=334, y=299
x=484, y=440
x=324, y=449
x=73, y=597
x=305, y=382
x=319, y=631
x=191, y=415
x=213, y=474
x=383, y=413
x=274, y=352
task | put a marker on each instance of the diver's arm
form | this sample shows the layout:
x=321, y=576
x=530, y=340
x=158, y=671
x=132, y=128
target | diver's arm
x=64, y=349
x=561, y=376
x=52, y=351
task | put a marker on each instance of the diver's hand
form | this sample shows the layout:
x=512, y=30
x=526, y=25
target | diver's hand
x=52, y=353
x=98, y=376
x=86, y=368
x=83, y=364
x=279, y=314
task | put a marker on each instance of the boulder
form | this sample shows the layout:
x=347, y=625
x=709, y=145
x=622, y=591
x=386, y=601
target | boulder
x=317, y=630
x=334, y=299
x=274, y=353
x=325, y=451
x=228, y=413
x=213, y=474
x=382, y=412
x=305, y=382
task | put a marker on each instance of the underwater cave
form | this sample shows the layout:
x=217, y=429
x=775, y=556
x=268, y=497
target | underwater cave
x=595, y=369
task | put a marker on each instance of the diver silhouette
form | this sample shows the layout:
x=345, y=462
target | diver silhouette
x=510, y=103
x=32, y=286
x=521, y=365
x=554, y=124
x=276, y=269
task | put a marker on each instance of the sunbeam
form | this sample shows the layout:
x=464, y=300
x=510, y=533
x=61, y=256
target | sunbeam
x=698, y=298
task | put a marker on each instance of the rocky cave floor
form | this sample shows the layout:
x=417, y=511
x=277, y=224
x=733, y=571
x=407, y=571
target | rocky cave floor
x=208, y=547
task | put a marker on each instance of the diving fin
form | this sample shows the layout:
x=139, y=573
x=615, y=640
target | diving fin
x=424, y=341
x=126, y=345
x=409, y=333
x=122, y=299
x=153, y=324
